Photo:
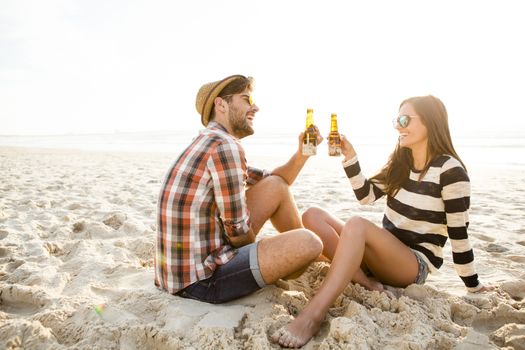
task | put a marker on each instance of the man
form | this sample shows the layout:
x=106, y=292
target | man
x=212, y=205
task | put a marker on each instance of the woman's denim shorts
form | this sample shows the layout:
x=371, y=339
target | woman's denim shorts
x=422, y=272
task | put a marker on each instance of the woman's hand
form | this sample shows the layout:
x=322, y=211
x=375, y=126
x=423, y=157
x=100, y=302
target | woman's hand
x=347, y=149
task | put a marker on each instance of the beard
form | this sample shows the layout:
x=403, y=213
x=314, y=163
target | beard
x=239, y=123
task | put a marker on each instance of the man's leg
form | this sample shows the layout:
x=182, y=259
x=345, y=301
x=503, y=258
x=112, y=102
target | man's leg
x=271, y=199
x=288, y=254
x=273, y=257
x=294, y=249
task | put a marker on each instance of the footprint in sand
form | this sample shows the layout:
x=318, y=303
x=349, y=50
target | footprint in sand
x=79, y=226
x=4, y=252
x=516, y=289
x=27, y=334
x=517, y=258
x=484, y=237
x=143, y=248
x=3, y=234
x=53, y=248
x=510, y=336
x=496, y=248
x=114, y=220
x=12, y=266
x=490, y=321
x=74, y=206
x=23, y=300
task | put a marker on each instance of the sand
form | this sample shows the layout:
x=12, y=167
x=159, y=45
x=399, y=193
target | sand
x=77, y=238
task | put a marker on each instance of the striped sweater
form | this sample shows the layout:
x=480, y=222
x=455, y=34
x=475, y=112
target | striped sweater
x=424, y=214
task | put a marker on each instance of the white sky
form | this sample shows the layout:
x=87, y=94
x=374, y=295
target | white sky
x=100, y=66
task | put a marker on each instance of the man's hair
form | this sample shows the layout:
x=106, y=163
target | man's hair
x=237, y=86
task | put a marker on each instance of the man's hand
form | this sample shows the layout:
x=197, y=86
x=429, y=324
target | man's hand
x=319, y=138
x=241, y=241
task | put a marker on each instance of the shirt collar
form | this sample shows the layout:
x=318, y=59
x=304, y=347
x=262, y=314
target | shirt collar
x=214, y=125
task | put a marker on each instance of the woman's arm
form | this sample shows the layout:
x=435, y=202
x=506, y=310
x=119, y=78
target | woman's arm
x=365, y=190
x=455, y=191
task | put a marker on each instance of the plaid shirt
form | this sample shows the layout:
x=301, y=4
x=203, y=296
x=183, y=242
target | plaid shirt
x=202, y=202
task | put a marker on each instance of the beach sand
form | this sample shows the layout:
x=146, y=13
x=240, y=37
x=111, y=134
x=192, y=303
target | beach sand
x=77, y=239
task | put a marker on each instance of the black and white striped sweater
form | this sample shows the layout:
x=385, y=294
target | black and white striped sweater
x=423, y=214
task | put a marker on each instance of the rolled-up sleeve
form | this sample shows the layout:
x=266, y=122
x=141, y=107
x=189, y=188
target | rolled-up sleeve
x=255, y=175
x=227, y=166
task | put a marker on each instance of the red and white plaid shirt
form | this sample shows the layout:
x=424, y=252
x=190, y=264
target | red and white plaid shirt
x=202, y=202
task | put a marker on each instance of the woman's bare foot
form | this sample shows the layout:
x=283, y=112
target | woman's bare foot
x=298, y=332
x=372, y=284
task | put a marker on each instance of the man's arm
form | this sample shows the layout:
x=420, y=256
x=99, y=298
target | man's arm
x=241, y=241
x=291, y=169
x=227, y=168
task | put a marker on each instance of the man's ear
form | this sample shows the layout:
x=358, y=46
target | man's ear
x=220, y=104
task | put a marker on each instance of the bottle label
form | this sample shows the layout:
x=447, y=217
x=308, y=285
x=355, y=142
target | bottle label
x=334, y=150
x=309, y=149
x=334, y=144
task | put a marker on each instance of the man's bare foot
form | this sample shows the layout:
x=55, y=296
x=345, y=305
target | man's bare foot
x=298, y=332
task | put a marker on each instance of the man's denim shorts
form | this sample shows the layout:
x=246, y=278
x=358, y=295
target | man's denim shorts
x=422, y=271
x=237, y=278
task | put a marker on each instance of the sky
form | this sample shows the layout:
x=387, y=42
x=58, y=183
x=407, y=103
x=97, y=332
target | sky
x=103, y=66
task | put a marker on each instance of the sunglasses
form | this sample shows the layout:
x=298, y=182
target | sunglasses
x=402, y=121
x=247, y=98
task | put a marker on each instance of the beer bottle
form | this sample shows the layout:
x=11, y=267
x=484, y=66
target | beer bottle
x=334, y=140
x=310, y=136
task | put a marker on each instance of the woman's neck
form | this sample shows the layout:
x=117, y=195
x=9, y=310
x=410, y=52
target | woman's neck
x=420, y=157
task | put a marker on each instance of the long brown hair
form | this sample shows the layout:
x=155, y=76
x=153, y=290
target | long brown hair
x=434, y=116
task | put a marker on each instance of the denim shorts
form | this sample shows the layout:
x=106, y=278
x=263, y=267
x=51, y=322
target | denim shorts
x=237, y=278
x=422, y=271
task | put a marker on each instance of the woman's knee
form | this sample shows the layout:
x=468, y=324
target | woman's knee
x=312, y=215
x=355, y=226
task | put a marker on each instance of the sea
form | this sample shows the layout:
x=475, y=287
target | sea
x=507, y=152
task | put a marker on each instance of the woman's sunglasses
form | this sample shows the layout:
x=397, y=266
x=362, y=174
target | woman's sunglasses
x=402, y=121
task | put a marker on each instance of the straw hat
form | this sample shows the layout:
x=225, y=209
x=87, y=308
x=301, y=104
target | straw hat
x=207, y=94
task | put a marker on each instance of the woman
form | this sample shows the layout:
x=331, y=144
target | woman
x=428, y=195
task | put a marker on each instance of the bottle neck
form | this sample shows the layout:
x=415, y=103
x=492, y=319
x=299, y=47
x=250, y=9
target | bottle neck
x=333, y=125
x=309, y=119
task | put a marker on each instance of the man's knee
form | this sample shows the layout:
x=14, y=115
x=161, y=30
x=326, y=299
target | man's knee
x=277, y=184
x=311, y=244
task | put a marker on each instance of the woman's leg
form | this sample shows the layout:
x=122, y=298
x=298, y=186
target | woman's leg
x=387, y=257
x=328, y=228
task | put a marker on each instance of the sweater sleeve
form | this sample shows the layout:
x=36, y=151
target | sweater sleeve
x=365, y=190
x=455, y=191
